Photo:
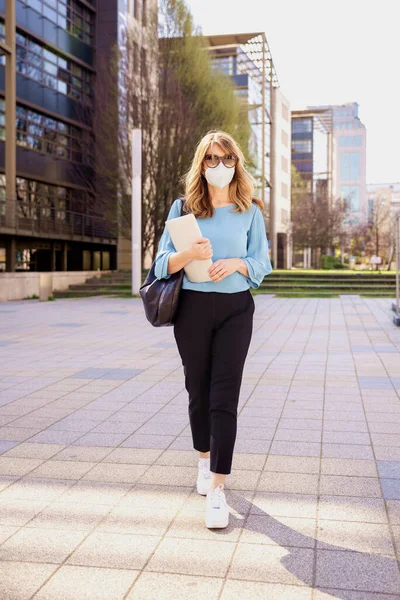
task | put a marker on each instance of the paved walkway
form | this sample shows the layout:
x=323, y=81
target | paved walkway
x=97, y=471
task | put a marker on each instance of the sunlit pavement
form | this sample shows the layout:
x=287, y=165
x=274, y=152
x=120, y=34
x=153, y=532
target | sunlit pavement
x=97, y=470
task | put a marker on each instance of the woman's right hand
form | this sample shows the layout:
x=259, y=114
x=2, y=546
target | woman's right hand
x=201, y=249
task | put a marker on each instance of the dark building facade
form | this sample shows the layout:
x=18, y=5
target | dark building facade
x=54, y=221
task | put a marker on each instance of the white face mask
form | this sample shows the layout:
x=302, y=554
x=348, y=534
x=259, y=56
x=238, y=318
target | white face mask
x=220, y=176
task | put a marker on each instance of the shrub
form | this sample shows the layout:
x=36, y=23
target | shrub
x=327, y=261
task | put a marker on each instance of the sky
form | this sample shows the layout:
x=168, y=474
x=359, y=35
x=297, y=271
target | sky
x=328, y=52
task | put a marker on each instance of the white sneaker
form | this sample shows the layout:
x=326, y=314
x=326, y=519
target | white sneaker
x=204, y=476
x=217, y=512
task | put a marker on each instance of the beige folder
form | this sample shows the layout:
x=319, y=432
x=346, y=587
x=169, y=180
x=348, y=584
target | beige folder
x=184, y=231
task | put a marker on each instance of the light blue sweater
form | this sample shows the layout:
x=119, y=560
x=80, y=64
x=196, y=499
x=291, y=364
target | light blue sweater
x=232, y=235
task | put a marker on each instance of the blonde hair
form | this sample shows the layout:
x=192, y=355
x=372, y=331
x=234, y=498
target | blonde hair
x=241, y=188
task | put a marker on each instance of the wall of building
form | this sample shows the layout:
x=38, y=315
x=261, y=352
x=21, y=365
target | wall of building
x=17, y=286
x=282, y=162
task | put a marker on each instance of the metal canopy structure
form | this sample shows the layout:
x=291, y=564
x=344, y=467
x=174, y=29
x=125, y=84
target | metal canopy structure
x=255, y=59
x=323, y=118
x=256, y=48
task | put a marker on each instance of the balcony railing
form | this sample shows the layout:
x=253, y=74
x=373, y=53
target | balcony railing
x=48, y=221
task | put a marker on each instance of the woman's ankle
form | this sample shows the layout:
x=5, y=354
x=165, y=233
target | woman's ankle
x=216, y=479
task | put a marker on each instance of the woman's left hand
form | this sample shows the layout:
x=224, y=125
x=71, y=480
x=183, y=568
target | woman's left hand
x=222, y=268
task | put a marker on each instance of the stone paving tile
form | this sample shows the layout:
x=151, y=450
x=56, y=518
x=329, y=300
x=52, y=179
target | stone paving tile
x=389, y=469
x=32, y=450
x=295, y=448
x=83, y=453
x=328, y=594
x=139, y=520
x=273, y=564
x=120, y=426
x=260, y=591
x=348, y=466
x=347, y=451
x=175, y=587
x=279, y=531
x=62, y=469
x=295, y=483
x=70, y=516
x=113, y=550
x=32, y=574
x=337, y=485
x=135, y=456
x=6, y=531
x=89, y=492
x=292, y=464
x=348, y=508
x=192, y=557
x=284, y=505
x=393, y=507
x=387, y=453
x=45, y=545
x=156, y=496
x=391, y=489
x=149, y=441
x=369, y=538
x=87, y=583
x=6, y=445
x=357, y=571
x=17, y=512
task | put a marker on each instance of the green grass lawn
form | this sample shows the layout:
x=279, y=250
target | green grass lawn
x=330, y=271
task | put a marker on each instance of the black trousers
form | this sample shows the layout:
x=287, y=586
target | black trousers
x=213, y=332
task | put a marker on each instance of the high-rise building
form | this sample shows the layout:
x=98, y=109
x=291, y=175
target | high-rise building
x=313, y=152
x=350, y=152
x=247, y=59
x=386, y=194
x=50, y=218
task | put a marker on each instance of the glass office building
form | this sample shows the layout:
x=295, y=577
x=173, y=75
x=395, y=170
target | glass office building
x=350, y=159
x=313, y=150
x=55, y=221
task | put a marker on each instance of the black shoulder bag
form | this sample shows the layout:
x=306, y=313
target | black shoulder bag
x=161, y=296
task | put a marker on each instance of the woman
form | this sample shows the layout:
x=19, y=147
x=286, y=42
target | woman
x=214, y=321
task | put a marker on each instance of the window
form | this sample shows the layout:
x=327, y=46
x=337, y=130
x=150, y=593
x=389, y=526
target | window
x=351, y=196
x=284, y=190
x=67, y=14
x=285, y=138
x=350, y=140
x=224, y=63
x=51, y=69
x=350, y=166
x=284, y=164
x=285, y=112
x=301, y=125
x=284, y=216
x=50, y=136
x=302, y=146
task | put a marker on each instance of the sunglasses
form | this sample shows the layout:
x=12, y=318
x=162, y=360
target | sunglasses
x=213, y=160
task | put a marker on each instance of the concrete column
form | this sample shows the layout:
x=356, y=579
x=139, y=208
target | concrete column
x=273, y=192
x=64, y=257
x=53, y=256
x=11, y=255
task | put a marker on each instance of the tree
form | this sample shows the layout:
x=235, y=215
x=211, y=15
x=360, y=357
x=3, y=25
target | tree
x=379, y=226
x=174, y=105
x=316, y=219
